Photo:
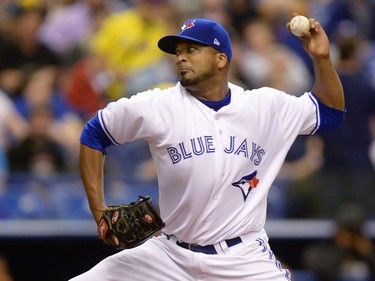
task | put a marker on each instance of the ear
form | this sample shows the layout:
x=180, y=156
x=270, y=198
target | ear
x=221, y=60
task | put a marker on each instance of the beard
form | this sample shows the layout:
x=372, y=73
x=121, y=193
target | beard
x=188, y=82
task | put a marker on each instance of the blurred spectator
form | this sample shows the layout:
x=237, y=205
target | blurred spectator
x=41, y=89
x=187, y=9
x=302, y=163
x=312, y=158
x=265, y=62
x=12, y=128
x=38, y=153
x=136, y=161
x=240, y=12
x=86, y=87
x=217, y=11
x=348, y=174
x=68, y=27
x=370, y=63
x=362, y=12
x=20, y=51
x=277, y=11
x=5, y=273
x=350, y=255
x=123, y=57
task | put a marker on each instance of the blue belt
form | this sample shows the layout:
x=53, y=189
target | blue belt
x=208, y=249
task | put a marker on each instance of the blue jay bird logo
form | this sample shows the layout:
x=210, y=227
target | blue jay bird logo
x=247, y=183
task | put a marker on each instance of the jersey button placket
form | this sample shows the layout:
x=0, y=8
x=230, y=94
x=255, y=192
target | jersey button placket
x=219, y=145
x=217, y=125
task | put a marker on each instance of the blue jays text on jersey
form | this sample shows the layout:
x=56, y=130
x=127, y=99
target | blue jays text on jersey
x=205, y=144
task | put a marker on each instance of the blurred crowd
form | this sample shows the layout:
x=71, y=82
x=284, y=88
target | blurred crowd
x=62, y=60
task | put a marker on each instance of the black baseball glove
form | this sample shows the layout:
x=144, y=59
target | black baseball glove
x=132, y=224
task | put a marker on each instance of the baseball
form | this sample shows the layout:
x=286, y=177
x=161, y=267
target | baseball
x=299, y=24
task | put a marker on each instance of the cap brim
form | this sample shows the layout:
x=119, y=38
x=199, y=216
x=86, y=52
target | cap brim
x=168, y=43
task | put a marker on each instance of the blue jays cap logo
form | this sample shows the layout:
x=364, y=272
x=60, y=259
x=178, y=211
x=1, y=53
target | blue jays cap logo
x=205, y=31
x=247, y=183
x=187, y=25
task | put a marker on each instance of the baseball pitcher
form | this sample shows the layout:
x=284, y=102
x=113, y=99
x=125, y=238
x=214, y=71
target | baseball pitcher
x=217, y=148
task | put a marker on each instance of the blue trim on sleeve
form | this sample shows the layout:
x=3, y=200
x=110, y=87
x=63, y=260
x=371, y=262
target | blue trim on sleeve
x=103, y=126
x=317, y=113
x=330, y=118
x=94, y=136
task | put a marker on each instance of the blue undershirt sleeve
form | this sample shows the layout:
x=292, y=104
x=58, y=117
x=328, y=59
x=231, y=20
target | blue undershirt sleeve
x=94, y=136
x=330, y=118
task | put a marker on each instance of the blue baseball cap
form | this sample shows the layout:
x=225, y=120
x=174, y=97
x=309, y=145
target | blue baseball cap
x=203, y=31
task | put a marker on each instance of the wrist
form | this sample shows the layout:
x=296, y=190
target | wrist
x=98, y=211
x=322, y=59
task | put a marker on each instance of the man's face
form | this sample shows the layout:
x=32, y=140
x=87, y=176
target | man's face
x=195, y=63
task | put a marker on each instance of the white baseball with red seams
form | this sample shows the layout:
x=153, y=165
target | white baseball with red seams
x=299, y=25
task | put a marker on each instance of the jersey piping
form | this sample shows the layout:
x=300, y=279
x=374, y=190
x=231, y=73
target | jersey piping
x=105, y=128
x=317, y=113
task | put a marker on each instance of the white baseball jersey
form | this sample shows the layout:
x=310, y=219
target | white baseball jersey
x=214, y=168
